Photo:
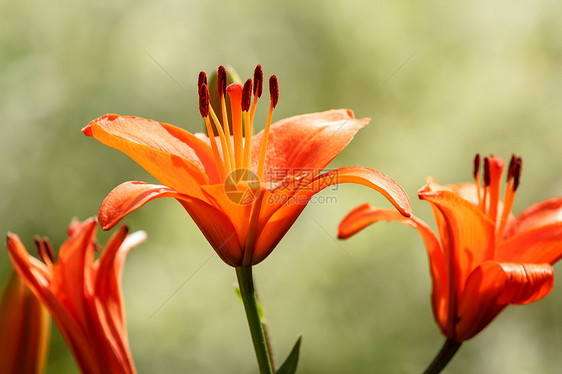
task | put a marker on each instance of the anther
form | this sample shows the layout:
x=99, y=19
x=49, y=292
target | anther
x=511, y=168
x=517, y=172
x=273, y=90
x=44, y=249
x=486, y=172
x=221, y=81
x=247, y=95
x=204, y=101
x=202, y=80
x=258, y=81
x=476, y=165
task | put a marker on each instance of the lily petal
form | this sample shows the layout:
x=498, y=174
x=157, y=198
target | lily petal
x=71, y=272
x=128, y=197
x=543, y=213
x=107, y=304
x=25, y=328
x=470, y=234
x=365, y=215
x=371, y=178
x=283, y=218
x=173, y=156
x=306, y=142
x=494, y=285
x=539, y=245
x=37, y=278
x=238, y=213
x=214, y=223
x=219, y=230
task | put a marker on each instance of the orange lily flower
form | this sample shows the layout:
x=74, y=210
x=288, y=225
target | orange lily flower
x=486, y=258
x=25, y=328
x=244, y=192
x=82, y=294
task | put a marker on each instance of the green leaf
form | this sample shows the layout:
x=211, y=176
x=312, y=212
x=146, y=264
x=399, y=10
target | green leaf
x=290, y=364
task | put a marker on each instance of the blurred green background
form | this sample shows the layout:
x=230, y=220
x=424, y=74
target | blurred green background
x=441, y=81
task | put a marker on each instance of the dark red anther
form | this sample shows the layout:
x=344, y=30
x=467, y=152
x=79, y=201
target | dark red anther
x=247, y=95
x=476, y=165
x=486, y=172
x=44, y=249
x=204, y=100
x=273, y=90
x=221, y=81
x=202, y=80
x=511, y=168
x=258, y=81
x=517, y=172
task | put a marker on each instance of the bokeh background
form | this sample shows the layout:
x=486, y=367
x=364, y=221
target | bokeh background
x=441, y=81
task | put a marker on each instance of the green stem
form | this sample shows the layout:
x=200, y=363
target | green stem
x=246, y=284
x=443, y=357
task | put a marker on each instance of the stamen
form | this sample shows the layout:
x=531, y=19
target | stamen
x=486, y=171
x=274, y=94
x=476, y=165
x=517, y=173
x=202, y=80
x=248, y=131
x=258, y=86
x=204, y=101
x=477, y=179
x=226, y=152
x=486, y=183
x=235, y=93
x=273, y=90
x=45, y=250
x=511, y=168
x=247, y=95
x=495, y=170
x=258, y=81
x=514, y=174
x=221, y=83
x=204, y=98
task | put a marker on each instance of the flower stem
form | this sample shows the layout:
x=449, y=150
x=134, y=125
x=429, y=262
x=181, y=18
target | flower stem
x=246, y=284
x=443, y=357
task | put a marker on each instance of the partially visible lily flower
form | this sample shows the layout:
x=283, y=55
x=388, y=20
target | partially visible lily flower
x=25, y=328
x=83, y=294
x=243, y=191
x=484, y=258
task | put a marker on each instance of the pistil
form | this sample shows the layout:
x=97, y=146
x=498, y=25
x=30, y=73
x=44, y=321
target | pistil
x=235, y=94
x=248, y=130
